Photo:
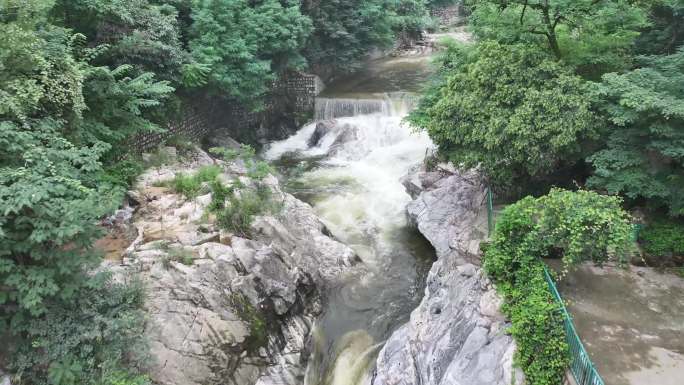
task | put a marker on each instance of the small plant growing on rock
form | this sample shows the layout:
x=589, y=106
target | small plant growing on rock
x=227, y=154
x=258, y=332
x=182, y=143
x=178, y=254
x=157, y=159
x=191, y=185
x=235, y=210
x=256, y=169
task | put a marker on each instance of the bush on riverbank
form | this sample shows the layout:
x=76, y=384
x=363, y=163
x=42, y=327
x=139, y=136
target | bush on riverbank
x=236, y=205
x=663, y=242
x=575, y=226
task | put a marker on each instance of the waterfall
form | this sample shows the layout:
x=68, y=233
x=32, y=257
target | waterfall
x=362, y=148
x=388, y=104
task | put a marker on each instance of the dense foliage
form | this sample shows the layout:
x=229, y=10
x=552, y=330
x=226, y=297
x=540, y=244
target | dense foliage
x=265, y=37
x=78, y=80
x=562, y=89
x=555, y=91
x=644, y=154
x=511, y=110
x=343, y=30
x=575, y=226
x=663, y=238
x=593, y=35
x=92, y=339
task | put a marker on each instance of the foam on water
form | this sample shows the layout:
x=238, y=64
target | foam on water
x=378, y=150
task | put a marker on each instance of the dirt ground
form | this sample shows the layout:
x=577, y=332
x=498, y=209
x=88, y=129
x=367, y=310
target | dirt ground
x=113, y=245
x=631, y=322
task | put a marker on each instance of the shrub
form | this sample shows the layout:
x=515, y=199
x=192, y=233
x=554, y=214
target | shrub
x=512, y=111
x=258, y=169
x=219, y=194
x=183, y=144
x=48, y=216
x=227, y=154
x=94, y=338
x=240, y=211
x=122, y=173
x=577, y=226
x=157, y=159
x=191, y=185
x=663, y=238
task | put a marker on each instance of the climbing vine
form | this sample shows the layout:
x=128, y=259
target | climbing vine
x=574, y=226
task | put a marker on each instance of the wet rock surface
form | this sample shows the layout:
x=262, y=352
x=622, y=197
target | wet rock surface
x=456, y=336
x=224, y=309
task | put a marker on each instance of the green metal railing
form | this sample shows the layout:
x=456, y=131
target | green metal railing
x=490, y=213
x=581, y=366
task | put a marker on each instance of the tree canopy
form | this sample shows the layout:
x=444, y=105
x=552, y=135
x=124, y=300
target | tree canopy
x=593, y=35
x=644, y=154
x=511, y=110
x=587, y=87
x=264, y=37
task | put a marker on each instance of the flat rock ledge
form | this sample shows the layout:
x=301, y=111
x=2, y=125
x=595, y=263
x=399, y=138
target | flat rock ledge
x=456, y=336
x=223, y=309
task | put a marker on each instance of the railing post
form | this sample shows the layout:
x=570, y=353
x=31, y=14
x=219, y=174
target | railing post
x=490, y=213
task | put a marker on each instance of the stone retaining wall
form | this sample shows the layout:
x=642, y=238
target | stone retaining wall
x=289, y=105
x=448, y=16
x=194, y=125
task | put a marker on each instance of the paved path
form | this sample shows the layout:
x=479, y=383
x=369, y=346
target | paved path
x=631, y=322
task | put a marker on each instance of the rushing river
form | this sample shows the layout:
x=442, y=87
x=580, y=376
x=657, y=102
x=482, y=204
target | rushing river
x=350, y=172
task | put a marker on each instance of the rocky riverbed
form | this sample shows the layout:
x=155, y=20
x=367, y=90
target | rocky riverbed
x=457, y=336
x=224, y=309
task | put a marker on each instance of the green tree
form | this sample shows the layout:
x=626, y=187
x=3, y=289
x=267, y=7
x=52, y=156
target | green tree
x=346, y=30
x=594, y=35
x=92, y=339
x=47, y=214
x=137, y=33
x=666, y=31
x=48, y=202
x=48, y=217
x=244, y=44
x=510, y=110
x=644, y=156
x=38, y=74
x=118, y=105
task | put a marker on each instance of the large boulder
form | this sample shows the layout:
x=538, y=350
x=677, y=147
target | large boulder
x=456, y=336
x=224, y=309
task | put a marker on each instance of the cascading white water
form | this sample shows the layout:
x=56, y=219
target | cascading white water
x=362, y=201
x=387, y=104
x=328, y=108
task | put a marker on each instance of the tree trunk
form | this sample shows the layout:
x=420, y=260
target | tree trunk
x=551, y=32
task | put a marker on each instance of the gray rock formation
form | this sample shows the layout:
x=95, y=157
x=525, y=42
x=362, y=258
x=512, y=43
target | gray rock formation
x=224, y=309
x=456, y=336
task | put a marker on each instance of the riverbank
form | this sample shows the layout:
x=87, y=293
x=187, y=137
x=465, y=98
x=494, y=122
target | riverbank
x=457, y=334
x=224, y=306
